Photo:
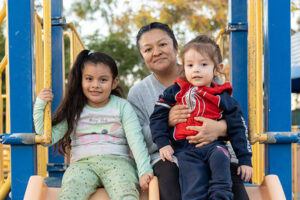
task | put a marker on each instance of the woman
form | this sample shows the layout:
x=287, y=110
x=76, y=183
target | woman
x=158, y=48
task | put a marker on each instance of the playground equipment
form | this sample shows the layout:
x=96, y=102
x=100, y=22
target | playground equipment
x=271, y=142
x=38, y=190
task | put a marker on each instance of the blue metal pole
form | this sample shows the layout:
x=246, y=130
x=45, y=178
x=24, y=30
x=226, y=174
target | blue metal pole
x=56, y=161
x=277, y=83
x=21, y=62
x=238, y=52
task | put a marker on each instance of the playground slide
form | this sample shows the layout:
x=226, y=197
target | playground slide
x=38, y=190
x=270, y=189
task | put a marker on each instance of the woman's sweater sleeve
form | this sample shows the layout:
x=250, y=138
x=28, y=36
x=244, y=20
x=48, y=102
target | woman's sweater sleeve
x=135, y=140
x=58, y=131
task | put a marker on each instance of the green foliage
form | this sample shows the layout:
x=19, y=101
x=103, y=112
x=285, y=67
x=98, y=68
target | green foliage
x=2, y=42
x=67, y=55
x=86, y=9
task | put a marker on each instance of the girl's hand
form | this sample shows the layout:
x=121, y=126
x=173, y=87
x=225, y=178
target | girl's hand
x=245, y=171
x=46, y=94
x=208, y=132
x=166, y=153
x=145, y=180
x=179, y=114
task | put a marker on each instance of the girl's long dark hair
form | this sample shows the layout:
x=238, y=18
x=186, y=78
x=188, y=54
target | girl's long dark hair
x=74, y=100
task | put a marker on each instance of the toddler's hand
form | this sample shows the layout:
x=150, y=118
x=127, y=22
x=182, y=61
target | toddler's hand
x=245, y=171
x=46, y=94
x=145, y=180
x=166, y=153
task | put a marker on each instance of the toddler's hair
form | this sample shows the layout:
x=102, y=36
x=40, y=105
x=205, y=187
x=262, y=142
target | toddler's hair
x=205, y=46
x=74, y=100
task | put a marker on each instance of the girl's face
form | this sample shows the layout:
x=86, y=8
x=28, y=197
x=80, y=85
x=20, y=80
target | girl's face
x=199, y=68
x=158, y=51
x=97, y=84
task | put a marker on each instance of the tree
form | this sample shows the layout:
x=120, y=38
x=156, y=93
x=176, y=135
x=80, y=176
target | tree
x=187, y=18
x=204, y=16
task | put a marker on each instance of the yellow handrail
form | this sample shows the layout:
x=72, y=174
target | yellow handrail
x=295, y=171
x=5, y=187
x=72, y=27
x=3, y=64
x=221, y=32
x=42, y=152
x=4, y=149
x=255, y=92
x=76, y=45
x=255, y=73
x=3, y=12
x=219, y=40
x=46, y=138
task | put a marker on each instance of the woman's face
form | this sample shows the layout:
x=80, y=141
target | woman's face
x=158, y=51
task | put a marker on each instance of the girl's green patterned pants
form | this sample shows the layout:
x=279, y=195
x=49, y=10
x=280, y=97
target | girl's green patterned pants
x=116, y=174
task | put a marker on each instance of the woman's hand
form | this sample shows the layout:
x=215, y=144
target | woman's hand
x=245, y=171
x=208, y=132
x=178, y=114
x=166, y=153
x=145, y=180
x=46, y=94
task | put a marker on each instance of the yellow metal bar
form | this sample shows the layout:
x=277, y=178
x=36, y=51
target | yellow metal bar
x=259, y=71
x=255, y=98
x=72, y=27
x=1, y=110
x=3, y=12
x=47, y=137
x=7, y=95
x=295, y=170
x=6, y=148
x=219, y=40
x=76, y=45
x=221, y=32
x=42, y=152
x=3, y=64
x=254, y=76
x=259, y=90
x=5, y=187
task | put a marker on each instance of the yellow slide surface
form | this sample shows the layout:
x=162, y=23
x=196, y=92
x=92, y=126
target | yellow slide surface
x=270, y=189
x=38, y=190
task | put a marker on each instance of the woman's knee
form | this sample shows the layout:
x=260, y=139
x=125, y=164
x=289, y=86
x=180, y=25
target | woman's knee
x=168, y=179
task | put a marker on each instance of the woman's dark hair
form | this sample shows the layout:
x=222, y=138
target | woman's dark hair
x=155, y=25
x=204, y=45
x=74, y=100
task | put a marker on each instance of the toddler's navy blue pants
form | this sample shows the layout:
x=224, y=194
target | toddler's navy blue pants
x=204, y=172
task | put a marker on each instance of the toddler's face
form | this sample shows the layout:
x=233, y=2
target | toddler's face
x=199, y=68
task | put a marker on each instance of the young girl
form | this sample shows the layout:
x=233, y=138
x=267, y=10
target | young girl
x=204, y=172
x=99, y=129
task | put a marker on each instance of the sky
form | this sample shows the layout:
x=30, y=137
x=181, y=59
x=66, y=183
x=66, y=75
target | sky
x=86, y=27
